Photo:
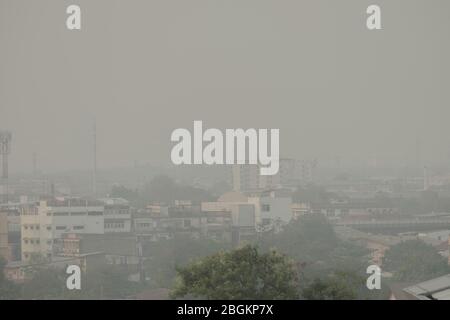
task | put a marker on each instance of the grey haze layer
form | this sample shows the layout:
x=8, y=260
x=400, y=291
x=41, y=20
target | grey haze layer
x=143, y=68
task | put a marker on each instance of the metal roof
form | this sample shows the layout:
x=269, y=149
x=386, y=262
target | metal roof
x=434, y=289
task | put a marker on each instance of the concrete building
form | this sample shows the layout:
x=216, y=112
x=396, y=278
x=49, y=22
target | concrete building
x=44, y=223
x=300, y=209
x=117, y=215
x=14, y=231
x=11, y=213
x=164, y=222
x=242, y=213
x=4, y=245
x=434, y=289
x=271, y=206
x=117, y=248
x=262, y=208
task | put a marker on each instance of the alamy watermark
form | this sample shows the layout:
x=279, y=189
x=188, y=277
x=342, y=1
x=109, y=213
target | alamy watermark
x=235, y=146
x=374, y=280
x=73, y=281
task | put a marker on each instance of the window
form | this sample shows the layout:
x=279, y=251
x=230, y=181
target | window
x=187, y=223
x=78, y=214
x=95, y=213
x=265, y=207
x=78, y=227
x=60, y=228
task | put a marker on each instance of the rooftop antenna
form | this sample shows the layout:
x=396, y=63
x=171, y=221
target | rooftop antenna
x=5, y=150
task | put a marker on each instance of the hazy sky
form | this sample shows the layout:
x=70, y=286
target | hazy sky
x=143, y=68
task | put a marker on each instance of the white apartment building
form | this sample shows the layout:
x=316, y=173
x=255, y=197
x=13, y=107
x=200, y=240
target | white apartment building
x=43, y=223
x=272, y=206
x=261, y=208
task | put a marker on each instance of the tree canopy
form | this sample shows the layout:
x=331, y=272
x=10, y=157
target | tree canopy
x=414, y=260
x=242, y=273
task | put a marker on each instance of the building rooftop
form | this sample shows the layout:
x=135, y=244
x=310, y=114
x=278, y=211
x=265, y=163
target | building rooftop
x=434, y=289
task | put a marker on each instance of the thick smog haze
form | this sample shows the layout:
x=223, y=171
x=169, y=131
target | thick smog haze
x=143, y=68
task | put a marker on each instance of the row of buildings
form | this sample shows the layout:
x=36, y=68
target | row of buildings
x=58, y=229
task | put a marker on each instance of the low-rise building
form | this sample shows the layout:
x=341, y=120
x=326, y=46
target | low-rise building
x=117, y=215
x=164, y=222
x=272, y=206
x=118, y=248
x=242, y=214
x=43, y=223
x=434, y=289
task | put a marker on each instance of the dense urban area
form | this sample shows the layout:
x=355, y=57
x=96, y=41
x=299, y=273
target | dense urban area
x=308, y=232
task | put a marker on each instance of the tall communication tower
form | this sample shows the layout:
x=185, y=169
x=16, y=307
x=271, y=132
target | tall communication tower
x=94, y=169
x=5, y=150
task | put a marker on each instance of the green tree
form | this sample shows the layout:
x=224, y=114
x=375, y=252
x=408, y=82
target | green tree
x=414, y=260
x=342, y=285
x=333, y=287
x=312, y=240
x=163, y=256
x=239, y=274
x=109, y=282
x=45, y=284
